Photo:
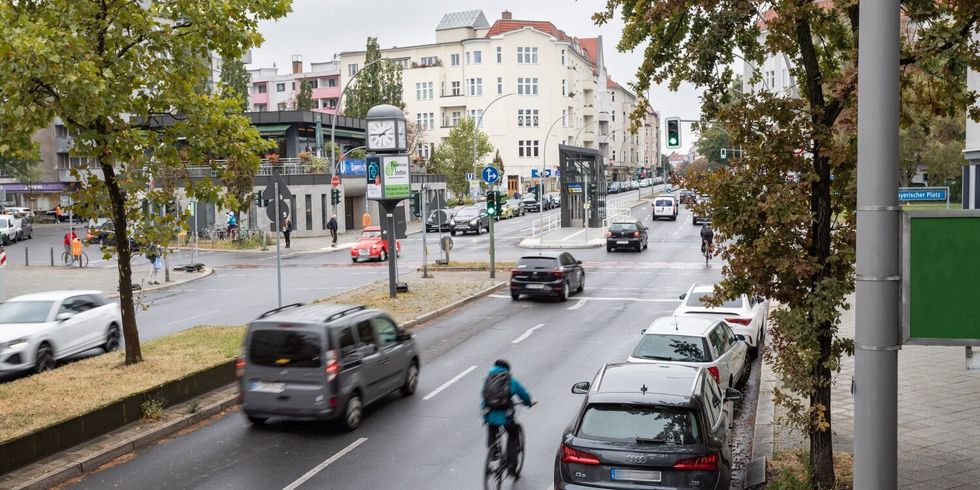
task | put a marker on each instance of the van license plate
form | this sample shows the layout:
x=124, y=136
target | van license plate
x=535, y=286
x=263, y=387
x=622, y=242
x=618, y=474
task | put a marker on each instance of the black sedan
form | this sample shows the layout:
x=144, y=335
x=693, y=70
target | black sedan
x=630, y=235
x=470, y=219
x=438, y=220
x=658, y=425
x=530, y=204
x=547, y=274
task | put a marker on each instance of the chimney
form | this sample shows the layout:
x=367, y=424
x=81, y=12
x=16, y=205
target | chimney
x=297, y=64
x=506, y=15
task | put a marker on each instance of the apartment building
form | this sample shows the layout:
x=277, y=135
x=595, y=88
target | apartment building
x=531, y=85
x=270, y=91
x=649, y=144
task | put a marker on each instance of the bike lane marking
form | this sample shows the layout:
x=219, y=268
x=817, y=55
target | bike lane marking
x=320, y=467
x=526, y=334
x=449, y=383
x=580, y=304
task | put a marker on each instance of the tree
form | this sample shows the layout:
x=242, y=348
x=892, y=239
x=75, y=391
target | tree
x=710, y=144
x=454, y=157
x=379, y=83
x=499, y=163
x=129, y=80
x=235, y=81
x=795, y=237
x=304, y=99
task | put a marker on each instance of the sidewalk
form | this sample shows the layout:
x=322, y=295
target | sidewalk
x=308, y=245
x=938, y=410
x=27, y=280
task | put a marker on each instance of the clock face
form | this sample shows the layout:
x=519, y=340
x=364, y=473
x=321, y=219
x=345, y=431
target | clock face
x=381, y=135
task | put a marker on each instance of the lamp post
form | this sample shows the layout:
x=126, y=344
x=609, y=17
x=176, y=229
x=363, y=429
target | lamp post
x=544, y=160
x=476, y=133
x=333, y=117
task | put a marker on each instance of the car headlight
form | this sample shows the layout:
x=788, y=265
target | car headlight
x=474, y=221
x=13, y=344
x=452, y=222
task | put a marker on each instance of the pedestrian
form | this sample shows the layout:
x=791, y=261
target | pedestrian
x=366, y=219
x=57, y=213
x=287, y=226
x=332, y=226
x=232, y=222
x=153, y=255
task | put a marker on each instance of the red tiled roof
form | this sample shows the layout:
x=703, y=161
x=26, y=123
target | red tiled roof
x=501, y=26
x=610, y=83
x=591, y=46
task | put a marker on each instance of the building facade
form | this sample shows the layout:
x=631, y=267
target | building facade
x=971, y=150
x=270, y=91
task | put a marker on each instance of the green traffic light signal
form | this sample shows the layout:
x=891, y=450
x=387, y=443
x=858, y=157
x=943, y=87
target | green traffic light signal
x=673, y=132
x=492, y=203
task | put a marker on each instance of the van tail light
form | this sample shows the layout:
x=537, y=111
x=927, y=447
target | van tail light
x=636, y=234
x=333, y=365
x=714, y=373
x=240, y=366
x=708, y=462
x=740, y=321
x=572, y=455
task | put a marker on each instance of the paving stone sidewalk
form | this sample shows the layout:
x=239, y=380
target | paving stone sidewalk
x=938, y=413
x=26, y=280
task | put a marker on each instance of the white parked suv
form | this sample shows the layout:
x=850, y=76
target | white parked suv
x=746, y=315
x=38, y=330
x=10, y=228
x=700, y=342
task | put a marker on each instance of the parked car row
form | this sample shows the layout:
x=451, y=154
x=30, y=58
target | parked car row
x=552, y=200
x=15, y=227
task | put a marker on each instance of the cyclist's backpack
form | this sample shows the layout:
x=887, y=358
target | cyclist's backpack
x=496, y=391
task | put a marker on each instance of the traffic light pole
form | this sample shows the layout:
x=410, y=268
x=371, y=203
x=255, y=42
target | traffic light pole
x=425, y=225
x=278, y=256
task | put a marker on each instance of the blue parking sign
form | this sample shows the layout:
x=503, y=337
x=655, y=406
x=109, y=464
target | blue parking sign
x=534, y=172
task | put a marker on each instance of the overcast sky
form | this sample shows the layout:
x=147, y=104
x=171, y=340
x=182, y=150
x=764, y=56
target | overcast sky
x=317, y=29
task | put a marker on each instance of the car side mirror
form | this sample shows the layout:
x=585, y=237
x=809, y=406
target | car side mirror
x=403, y=336
x=682, y=296
x=582, y=388
x=64, y=316
x=732, y=395
x=579, y=262
x=741, y=337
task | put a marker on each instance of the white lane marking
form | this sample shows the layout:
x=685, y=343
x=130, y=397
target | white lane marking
x=597, y=298
x=577, y=233
x=328, y=462
x=581, y=303
x=447, y=384
x=527, y=334
x=195, y=316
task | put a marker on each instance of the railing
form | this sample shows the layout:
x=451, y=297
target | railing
x=545, y=224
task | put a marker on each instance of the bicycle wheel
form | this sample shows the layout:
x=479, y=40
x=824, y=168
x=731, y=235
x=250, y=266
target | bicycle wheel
x=493, y=469
x=519, y=457
x=67, y=258
x=83, y=260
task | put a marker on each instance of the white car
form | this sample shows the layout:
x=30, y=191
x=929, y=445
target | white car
x=746, y=315
x=665, y=207
x=38, y=330
x=10, y=229
x=700, y=342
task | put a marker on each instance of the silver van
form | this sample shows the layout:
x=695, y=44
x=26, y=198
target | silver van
x=323, y=362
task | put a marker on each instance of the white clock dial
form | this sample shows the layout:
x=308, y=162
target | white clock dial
x=381, y=135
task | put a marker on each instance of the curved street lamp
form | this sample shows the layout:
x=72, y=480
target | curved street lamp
x=544, y=159
x=479, y=121
x=333, y=118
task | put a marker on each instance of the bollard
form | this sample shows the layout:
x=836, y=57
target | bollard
x=27, y=257
x=52, y=256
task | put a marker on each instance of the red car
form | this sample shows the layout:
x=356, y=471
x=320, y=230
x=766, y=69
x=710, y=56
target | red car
x=372, y=245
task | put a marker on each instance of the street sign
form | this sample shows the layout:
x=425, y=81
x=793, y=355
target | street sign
x=490, y=175
x=335, y=181
x=575, y=187
x=534, y=172
x=547, y=172
x=470, y=177
x=3, y=259
x=374, y=177
x=919, y=194
x=66, y=200
x=192, y=207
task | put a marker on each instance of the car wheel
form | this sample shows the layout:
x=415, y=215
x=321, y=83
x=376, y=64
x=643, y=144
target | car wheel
x=252, y=419
x=515, y=296
x=6, y=240
x=453, y=233
x=411, y=380
x=564, y=292
x=353, y=411
x=111, y=339
x=581, y=284
x=478, y=230
x=44, y=359
x=383, y=256
x=352, y=259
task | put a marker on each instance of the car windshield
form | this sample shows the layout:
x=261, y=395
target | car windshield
x=623, y=227
x=537, y=263
x=371, y=234
x=664, y=202
x=701, y=300
x=468, y=213
x=639, y=424
x=25, y=311
x=669, y=347
x=437, y=215
x=530, y=199
x=284, y=348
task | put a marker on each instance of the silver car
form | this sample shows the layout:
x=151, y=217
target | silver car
x=746, y=315
x=323, y=362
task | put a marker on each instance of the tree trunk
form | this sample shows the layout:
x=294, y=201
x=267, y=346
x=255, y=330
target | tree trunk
x=821, y=440
x=117, y=201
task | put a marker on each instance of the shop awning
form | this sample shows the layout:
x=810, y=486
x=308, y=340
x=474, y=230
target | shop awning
x=343, y=133
x=273, y=130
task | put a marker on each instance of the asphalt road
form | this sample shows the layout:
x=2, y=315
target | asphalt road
x=435, y=439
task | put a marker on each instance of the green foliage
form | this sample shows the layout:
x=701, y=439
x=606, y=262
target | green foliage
x=379, y=83
x=304, y=99
x=126, y=78
x=793, y=240
x=454, y=157
x=709, y=145
x=235, y=81
x=498, y=162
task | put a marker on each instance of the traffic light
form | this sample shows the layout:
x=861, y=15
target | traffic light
x=592, y=189
x=416, y=204
x=673, y=132
x=335, y=196
x=259, y=202
x=492, y=203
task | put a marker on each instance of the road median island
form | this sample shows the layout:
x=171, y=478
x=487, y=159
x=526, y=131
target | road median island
x=470, y=266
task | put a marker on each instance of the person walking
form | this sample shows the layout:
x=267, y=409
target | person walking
x=153, y=255
x=366, y=219
x=332, y=226
x=287, y=227
x=232, y=225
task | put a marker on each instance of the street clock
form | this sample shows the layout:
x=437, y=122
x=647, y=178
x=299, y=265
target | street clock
x=386, y=129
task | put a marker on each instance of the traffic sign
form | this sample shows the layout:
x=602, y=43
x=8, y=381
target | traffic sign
x=3, y=259
x=909, y=194
x=470, y=177
x=335, y=181
x=490, y=175
x=547, y=172
x=192, y=207
x=534, y=172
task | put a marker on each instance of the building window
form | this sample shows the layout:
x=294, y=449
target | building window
x=455, y=89
x=476, y=115
x=500, y=55
x=785, y=78
x=475, y=86
x=564, y=87
x=527, y=86
x=316, y=103
x=527, y=56
x=426, y=120
x=500, y=85
x=260, y=88
x=331, y=82
x=527, y=118
x=454, y=59
x=564, y=116
x=771, y=79
x=614, y=116
x=429, y=61
x=309, y=211
x=260, y=107
x=424, y=91
x=457, y=115
x=352, y=69
x=314, y=83
x=294, y=86
x=614, y=96
x=467, y=57
x=527, y=148
x=282, y=106
x=563, y=57
x=332, y=103
x=477, y=57
x=424, y=151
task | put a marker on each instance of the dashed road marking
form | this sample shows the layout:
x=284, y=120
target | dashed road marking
x=526, y=334
x=320, y=467
x=449, y=383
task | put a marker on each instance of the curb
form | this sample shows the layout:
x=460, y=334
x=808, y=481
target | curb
x=127, y=446
x=448, y=308
x=207, y=272
x=530, y=243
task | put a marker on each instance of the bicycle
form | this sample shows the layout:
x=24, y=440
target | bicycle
x=496, y=463
x=69, y=259
x=707, y=249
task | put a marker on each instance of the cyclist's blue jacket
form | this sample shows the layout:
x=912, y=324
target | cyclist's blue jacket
x=504, y=415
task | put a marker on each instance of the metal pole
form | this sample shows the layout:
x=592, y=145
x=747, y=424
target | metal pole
x=196, y=231
x=878, y=214
x=493, y=261
x=27, y=257
x=392, y=251
x=425, y=225
x=52, y=256
x=333, y=120
x=278, y=257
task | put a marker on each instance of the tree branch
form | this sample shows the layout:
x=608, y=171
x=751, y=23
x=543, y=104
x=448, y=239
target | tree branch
x=964, y=32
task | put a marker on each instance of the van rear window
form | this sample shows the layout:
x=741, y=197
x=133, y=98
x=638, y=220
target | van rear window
x=284, y=348
x=664, y=202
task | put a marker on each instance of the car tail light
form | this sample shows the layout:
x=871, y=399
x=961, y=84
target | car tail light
x=513, y=273
x=708, y=462
x=572, y=455
x=740, y=321
x=636, y=234
x=333, y=365
x=558, y=274
x=714, y=373
x=240, y=366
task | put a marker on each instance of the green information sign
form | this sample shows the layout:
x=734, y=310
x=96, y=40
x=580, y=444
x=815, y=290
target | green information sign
x=941, y=278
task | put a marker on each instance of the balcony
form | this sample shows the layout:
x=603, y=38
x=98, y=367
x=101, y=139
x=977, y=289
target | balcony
x=65, y=174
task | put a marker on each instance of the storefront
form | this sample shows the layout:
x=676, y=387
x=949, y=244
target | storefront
x=42, y=196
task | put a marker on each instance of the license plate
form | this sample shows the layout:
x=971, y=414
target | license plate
x=264, y=387
x=535, y=286
x=622, y=242
x=619, y=474
x=363, y=252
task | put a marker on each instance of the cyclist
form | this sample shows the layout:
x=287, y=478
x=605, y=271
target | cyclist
x=707, y=237
x=69, y=236
x=499, y=387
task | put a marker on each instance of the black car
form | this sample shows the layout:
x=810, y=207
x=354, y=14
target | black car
x=470, y=219
x=686, y=196
x=703, y=217
x=530, y=204
x=660, y=425
x=438, y=220
x=614, y=188
x=547, y=274
x=626, y=234
x=105, y=235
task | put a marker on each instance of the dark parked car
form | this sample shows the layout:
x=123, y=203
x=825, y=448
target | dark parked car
x=614, y=188
x=106, y=235
x=547, y=274
x=530, y=204
x=653, y=425
x=323, y=362
x=686, y=196
x=438, y=220
x=470, y=219
x=626, y=234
